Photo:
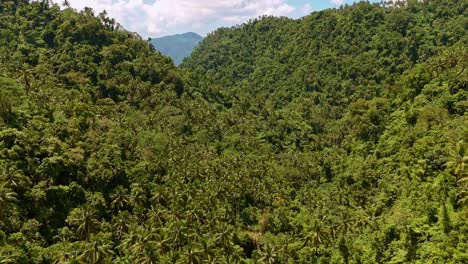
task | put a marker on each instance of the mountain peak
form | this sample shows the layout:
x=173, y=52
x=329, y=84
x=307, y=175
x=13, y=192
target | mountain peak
x=177, y=46
x=191, y=34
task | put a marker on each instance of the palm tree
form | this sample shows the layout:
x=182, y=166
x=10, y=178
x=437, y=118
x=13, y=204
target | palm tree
x=346, y=222
x=3, y=59
x=145, y=258
x=225, y=236
x=178, y=234
x=460, y=159
x=285, y=250
x=161, y=243
x=268, y=255
x=228, y=259
x=9, y=256
x=138, y=195
x=156, y=216
x=25, y=77
x=64, y=235
x=365, y=218
x=85, y=220
x=7, y=199
x=64, y=257
x=344, y=250
x=158, y=196
x=48, y=2
x=315, y=235
x=97, y=250
x=120, y=224
x=120, y=199
x=192, y=255
x=211, y=259
x=143, y=246
x=460, y=171
x=128, y=240
x=207, y=245
x=144, y=251
x=14, y=178
x=463, y=193
x=66, y=3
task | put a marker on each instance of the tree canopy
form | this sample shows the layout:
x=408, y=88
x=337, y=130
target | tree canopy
x=340, y=137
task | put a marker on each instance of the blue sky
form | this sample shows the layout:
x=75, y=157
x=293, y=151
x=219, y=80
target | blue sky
x=155, y=18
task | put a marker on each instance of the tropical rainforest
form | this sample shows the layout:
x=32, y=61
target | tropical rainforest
x=340, y=137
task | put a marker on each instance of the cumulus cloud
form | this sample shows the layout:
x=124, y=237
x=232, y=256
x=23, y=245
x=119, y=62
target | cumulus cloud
x=160, y=17
x=306, y=9
x=337, y=2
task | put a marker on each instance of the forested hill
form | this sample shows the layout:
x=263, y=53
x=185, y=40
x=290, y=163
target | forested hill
x=340, y=137
x=353, y=52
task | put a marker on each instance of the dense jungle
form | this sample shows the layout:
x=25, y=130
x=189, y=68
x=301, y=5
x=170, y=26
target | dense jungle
x=340, y=137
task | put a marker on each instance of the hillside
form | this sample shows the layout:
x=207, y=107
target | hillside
x=177, y=46
x=340, y=137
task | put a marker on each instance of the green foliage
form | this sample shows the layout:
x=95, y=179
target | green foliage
x=336, y=138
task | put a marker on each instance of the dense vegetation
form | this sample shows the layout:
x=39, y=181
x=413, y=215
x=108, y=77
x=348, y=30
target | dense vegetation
x=178, y=47
x=337, y=138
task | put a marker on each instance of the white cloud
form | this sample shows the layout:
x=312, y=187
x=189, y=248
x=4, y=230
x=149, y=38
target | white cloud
x=306, y=9
x=337, y=2
x=160, y=17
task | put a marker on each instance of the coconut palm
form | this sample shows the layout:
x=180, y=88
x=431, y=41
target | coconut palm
x=97, y=250
x=48, y=2
x=192, y=255
x=268, y=255
x=7, y=198
x=210, y=259
x=315, y=235
x=285, y=249
x=460, y=171
x=365, y=218
x=143, y=245
x=25, y=77
x=458, y=164
x=66, y=3
x=120, y=224
x=158, y=196
x=9, y=256
x=63, y=256
x=120, y=199
x=14, y=178
x=138, y=195
x=346, y=223
x=85, y=220
x=178, y=234
x=225, y=236
x=65, y=235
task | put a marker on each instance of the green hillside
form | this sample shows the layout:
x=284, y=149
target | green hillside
x=340, y=137
x=178, y=47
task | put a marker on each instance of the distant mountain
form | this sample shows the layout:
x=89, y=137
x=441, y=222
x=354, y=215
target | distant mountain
x=177, y=46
